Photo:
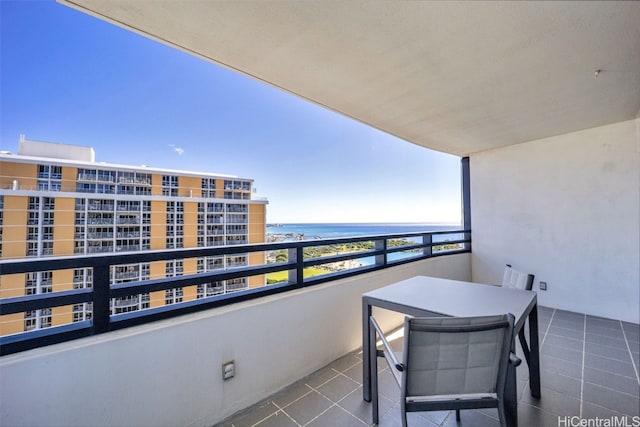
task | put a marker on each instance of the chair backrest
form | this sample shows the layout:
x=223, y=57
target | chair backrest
x=513, y=278
x=456, y=355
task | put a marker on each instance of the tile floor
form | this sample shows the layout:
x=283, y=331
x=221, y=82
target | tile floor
x=589, y=369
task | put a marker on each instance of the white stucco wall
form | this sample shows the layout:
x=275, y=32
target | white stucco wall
x=565, y=208
x=169, y=373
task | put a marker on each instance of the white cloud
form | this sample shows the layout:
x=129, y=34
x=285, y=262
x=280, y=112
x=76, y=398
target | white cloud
x=178, y=150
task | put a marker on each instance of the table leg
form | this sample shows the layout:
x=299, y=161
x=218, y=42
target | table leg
x=522, y=336
x=534, y=353
x=367, y=332
x=373, y=375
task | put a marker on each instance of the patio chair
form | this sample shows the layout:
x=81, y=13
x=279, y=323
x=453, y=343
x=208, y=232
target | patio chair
x=513, y=278
x=451, y=363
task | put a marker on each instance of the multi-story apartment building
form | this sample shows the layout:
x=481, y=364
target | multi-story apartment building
x=56, y=200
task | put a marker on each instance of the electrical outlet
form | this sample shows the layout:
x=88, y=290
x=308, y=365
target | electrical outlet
x=543, y=286
x=228, y=370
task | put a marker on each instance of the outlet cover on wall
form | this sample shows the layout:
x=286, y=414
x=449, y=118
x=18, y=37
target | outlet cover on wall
x=228, y=370
x=543, y=286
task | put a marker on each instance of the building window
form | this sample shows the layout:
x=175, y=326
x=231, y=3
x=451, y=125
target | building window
x=30, y=322
x=82, y=278
x=87, y=175
x=48, y=203
x=32, y=233
x=237, y=189
x=80, y=218
x=214, y=263
x=31, y=284
x=38, y=283
x=236, y=261
x=173, y=296
x=129, y=304
x=47, y=218
x=235, y=285
x=105, y=189
x=45, y=318
x=174, y=228
x=47, y=248
x=169, y=185
x=43, y=171
x=49, y=178
x=47, y=233
x=56, y=172
x=130, y=273
x=37, y=319
x=32, y=248
x=210, y=289
x=208, y=187
x=82, y=311
x=34, y=203
x=83, y=187
x=106, y=176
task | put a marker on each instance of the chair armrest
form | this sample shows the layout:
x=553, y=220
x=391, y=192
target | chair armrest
x=388, y=350
x=514, y=360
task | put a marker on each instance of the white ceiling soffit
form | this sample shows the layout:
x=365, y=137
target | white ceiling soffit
x=458, y=77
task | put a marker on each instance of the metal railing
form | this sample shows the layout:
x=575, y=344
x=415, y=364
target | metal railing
x=384, y=253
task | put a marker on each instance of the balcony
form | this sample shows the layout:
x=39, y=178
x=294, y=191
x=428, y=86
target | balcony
x=552, y=142
x=589, y=364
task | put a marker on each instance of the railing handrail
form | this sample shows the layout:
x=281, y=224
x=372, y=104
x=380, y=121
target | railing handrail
x=102, y=291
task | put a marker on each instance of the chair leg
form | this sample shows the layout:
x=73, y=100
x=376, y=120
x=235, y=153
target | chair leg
x=458, y=415
x=501, y=414
x=374, y=390
x=510, y=403
x=404, y=416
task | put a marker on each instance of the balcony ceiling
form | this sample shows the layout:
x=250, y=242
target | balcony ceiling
x=458, y=77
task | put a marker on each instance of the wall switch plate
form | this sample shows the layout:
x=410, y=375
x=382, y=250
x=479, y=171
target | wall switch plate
x=543, y=286
x=228, y=370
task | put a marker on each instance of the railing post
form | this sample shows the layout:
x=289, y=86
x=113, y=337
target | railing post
x=299, y=266
x=427, y=239
x=101, y=288
x=381, y=245
x=466, y=193
x=296, y=275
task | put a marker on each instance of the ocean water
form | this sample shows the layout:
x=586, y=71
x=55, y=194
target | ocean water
x=335, y=231
x=290, y=232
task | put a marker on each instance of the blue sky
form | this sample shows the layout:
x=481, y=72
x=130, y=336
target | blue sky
x=70, y=78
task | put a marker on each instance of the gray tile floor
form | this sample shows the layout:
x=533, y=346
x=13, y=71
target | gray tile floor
x=589, y=369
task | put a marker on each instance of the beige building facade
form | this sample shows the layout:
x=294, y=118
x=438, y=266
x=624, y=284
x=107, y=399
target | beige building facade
x=56, y=200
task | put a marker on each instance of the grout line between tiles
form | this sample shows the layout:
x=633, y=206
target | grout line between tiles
x=284, y=412
x=635, y=369
x=612, y=410
x=294, y=401
x=318, y=416
x=612, y=389
x=611, y=373
x=546, y=332
x=337, y=404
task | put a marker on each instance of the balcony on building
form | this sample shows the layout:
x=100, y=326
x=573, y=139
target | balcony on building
x=543, y=99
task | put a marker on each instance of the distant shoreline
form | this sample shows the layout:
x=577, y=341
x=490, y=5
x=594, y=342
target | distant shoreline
x=372, y=224
x=282, y=232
